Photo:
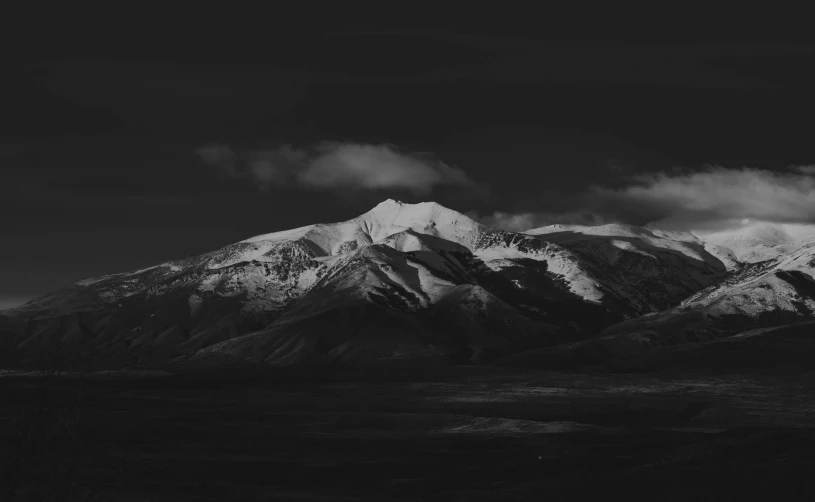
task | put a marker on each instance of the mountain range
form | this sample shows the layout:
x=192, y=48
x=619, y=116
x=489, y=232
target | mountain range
x=417, y=284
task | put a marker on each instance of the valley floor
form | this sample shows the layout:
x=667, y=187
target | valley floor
x=469, y=433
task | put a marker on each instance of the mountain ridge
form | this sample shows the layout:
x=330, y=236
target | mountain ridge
x=401, y=282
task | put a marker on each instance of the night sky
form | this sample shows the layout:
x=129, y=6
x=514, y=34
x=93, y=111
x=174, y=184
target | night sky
x=133, y=138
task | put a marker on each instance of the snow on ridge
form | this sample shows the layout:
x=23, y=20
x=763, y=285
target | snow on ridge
x=557, y=227
x=93, y=280
x=681, y=242
x=754, y=241
x=292, y=234
x=607, y=230
x=725, y=255
x=619, y=230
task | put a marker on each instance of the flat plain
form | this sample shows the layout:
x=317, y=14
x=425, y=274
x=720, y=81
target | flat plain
x=457, y=433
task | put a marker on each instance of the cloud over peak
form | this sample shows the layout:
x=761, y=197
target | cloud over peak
x=521, y=222
x=330, y=165
x=710, y=199
x=720, y=193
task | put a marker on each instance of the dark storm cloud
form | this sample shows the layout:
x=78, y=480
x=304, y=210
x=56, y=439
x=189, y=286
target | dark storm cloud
x=333, y=165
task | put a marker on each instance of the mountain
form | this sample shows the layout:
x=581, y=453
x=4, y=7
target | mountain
x=779, y=291
x=402, y=283
x=651, y=269
x=751, y=241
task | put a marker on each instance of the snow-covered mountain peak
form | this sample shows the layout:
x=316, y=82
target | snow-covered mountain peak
x=389, y=202
x=385, y=219
x=411, y=214
x=429, y=218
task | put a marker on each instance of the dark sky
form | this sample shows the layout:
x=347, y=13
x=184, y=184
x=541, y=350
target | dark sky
x=99, y=135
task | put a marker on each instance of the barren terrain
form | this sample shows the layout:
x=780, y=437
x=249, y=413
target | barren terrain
x=459, y=433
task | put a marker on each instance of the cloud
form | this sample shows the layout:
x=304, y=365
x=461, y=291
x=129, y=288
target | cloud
x=804, y=169
x=521, y=222
x=331, y=165
x=714, y=194
x=713, y=199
